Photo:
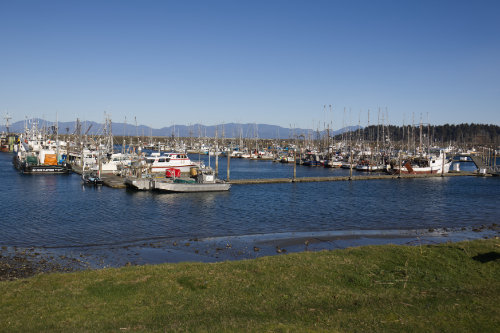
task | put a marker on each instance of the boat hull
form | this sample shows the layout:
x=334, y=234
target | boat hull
x=40, y=169
x=369, y=168
x=423, y=170
x=44, y=169
x=190, y=187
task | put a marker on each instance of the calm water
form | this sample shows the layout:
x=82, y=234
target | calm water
x=57, y=211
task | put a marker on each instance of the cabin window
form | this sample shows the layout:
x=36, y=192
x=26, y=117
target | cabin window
x=150, y=161
x=161, y=160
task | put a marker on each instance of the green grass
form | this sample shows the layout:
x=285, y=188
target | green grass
x=374, y=288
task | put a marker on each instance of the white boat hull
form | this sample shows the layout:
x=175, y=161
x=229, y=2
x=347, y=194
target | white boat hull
x=190, y=187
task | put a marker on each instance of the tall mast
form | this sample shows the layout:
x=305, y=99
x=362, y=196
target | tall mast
x=7, y=118
x=420, y=138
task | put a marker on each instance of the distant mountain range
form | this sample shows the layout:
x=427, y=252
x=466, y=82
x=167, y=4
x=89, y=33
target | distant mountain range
x=232, y=130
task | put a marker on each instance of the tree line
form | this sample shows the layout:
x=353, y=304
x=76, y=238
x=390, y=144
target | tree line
x=463, y=135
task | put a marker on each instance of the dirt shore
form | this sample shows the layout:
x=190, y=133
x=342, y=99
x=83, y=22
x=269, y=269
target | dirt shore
x=18, y=263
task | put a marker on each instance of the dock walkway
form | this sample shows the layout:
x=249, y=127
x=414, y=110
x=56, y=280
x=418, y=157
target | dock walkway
x=115, y=181
x=478, y=162
x=109, y=180
x=343, y=178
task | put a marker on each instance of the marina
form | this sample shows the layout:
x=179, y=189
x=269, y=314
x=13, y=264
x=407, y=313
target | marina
x=266, y=212
x=97, y=203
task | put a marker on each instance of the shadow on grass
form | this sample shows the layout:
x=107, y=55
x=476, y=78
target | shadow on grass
x=487, y=257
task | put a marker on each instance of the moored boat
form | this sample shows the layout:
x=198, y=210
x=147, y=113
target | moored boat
x=91, y=179
x=203, y=181
x=159, y=163
x=44, y=162
x=432, y=165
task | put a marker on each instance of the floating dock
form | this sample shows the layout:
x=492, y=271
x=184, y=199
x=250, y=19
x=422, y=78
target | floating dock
x=115, y=181
x=343, y=178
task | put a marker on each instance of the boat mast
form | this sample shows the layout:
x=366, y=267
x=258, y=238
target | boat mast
x=7, y=118
x=57, y=139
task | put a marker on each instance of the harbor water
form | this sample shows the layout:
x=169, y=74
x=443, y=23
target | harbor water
x=58, y=213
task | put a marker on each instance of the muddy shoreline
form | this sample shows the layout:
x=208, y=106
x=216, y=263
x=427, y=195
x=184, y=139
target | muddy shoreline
x=18, y=262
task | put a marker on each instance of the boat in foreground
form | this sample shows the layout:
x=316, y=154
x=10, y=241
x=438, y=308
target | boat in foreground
x=203, y=181
x=91, y=179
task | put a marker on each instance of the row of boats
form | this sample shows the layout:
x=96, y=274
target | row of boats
x=35, y=153
x=170, y=172
x=422, y=164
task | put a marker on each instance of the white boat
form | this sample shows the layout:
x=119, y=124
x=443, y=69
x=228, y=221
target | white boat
x=347, y=165
x=204, y=181
x=433, y=165
x=334, y=162
x=287, y=159
x=367, y=166
x=116, y=162
x=160, y=163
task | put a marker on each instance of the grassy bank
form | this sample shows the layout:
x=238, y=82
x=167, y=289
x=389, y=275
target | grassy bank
x=447, y=287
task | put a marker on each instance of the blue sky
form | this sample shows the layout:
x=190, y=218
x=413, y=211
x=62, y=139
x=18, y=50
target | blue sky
x=259, y=61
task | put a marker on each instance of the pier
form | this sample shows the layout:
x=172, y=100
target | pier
x=485, y=160
x=115, y=181
x=342, y=178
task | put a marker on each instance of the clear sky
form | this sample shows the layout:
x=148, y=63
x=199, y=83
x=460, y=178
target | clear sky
x=255, y=61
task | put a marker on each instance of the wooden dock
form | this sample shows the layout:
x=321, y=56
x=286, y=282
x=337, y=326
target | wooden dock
x=478, y=162
x=109, y=180
x=119, y=182
x=343, y=178
x=115, y=181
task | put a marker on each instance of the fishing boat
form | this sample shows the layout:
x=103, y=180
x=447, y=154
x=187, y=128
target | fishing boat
x=159, y=163
x=368, y=166
x=34, y=154
x=113, y=163
x=333, y=162
x=41, y=162
x=313, y=160
x=7, y=142
x=203, y=181
x=421, y=165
